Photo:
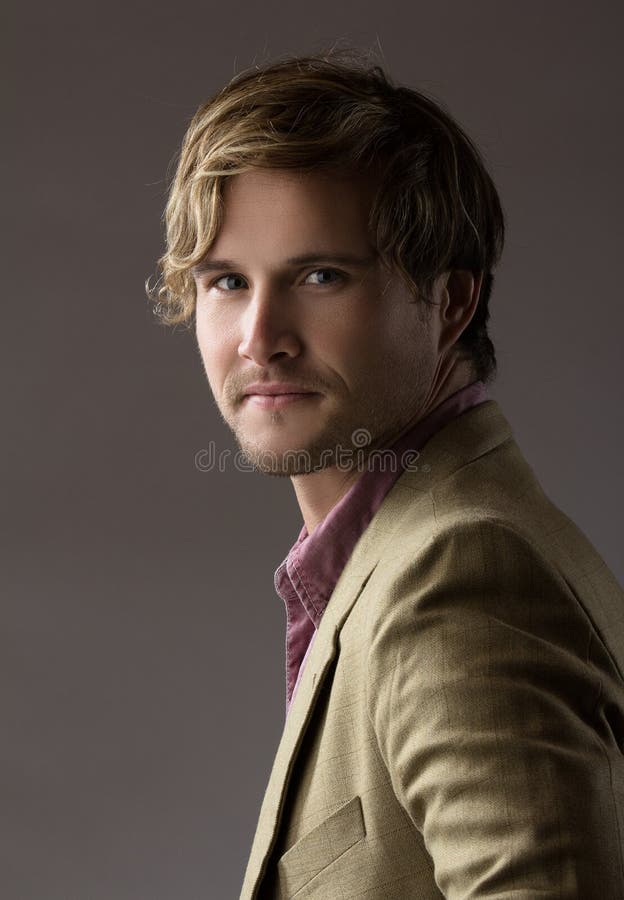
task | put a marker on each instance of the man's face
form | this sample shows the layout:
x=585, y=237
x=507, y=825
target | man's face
x=345, y=332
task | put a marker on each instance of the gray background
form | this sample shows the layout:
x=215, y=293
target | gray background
x=142, y=644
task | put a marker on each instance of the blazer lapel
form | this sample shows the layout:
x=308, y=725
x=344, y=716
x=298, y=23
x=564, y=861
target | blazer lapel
x=318, y=664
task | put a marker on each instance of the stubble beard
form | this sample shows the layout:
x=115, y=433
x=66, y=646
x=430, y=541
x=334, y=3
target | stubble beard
x=346, y=442
x=319, y=452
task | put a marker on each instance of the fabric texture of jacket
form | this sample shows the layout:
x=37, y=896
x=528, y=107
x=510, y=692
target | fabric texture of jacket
x=458, y=730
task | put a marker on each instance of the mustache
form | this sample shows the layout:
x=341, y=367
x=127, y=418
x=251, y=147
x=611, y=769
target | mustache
x=237, y=384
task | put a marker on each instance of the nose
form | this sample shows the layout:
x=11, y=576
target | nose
x=267, y=331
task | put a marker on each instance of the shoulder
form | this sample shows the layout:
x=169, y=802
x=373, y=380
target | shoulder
x=461, y=548
x=472, y=588
x=483, y=547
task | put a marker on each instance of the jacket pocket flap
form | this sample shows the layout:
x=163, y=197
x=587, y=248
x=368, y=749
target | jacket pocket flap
x=322, y=846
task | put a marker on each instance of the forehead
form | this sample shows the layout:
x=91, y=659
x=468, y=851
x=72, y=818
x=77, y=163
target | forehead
x=266, y=181
x=285, y=206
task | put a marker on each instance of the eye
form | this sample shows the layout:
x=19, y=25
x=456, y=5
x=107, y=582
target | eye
x=230, y=275
x=334, y=272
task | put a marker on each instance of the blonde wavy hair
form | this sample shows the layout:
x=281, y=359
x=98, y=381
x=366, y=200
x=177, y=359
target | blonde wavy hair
x=436, y=207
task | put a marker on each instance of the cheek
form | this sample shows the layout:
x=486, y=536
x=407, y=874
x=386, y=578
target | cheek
x=349, y=335
x=217, y=345
x=366, y=347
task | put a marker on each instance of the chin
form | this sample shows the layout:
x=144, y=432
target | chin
x=295, y=453
x=281, y=462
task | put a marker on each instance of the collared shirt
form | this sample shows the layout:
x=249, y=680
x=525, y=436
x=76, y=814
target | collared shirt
x=305, y=580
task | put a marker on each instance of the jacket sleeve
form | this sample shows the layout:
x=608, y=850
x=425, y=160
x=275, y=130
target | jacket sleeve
x=488, y=712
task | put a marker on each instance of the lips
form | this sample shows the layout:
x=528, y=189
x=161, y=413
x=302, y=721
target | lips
x=276, y=395
x=277, y=401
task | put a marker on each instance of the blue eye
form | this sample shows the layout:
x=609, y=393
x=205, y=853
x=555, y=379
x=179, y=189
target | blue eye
x=229, y=275
x=325, y=271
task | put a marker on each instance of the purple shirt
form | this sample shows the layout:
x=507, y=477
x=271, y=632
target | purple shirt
x=306, y=579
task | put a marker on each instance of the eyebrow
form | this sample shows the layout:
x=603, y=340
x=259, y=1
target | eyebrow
x=341, y=259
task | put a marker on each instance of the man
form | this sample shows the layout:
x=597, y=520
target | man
x=455, y=645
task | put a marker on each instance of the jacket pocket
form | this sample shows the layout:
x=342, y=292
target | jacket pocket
x=320, y=847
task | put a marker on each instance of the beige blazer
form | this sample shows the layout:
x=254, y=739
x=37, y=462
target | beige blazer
x=458, y=730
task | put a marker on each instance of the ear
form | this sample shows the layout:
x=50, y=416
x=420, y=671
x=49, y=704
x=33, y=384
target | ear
x=459, y=297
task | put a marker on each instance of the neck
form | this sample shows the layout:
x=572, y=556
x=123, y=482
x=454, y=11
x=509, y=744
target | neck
x=318, y=492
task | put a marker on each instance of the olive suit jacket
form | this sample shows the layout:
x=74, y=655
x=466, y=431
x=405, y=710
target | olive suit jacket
x=458, y=730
